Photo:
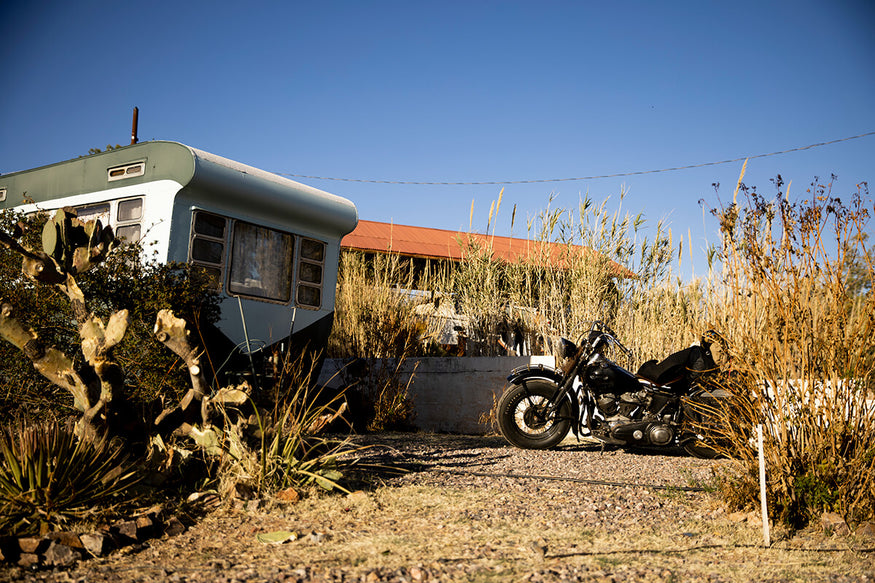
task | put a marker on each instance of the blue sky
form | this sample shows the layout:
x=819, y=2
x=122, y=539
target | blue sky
x=459, y=92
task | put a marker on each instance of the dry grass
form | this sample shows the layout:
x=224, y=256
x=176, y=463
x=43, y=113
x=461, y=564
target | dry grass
x=474, y=528
x=426, y=525
x=475, y=534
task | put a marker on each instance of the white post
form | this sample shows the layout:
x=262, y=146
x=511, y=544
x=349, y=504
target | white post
x=767, y=540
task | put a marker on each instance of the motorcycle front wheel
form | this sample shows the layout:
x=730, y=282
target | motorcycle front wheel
x=521, y=415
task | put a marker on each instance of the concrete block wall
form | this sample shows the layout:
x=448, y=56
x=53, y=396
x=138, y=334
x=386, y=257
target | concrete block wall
x=452, y=394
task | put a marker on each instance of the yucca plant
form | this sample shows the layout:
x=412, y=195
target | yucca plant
x=49, y=477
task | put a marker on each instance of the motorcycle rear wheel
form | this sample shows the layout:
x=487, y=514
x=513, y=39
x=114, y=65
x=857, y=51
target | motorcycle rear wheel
x=700, y=449
x=520, y=418
x=696, y=414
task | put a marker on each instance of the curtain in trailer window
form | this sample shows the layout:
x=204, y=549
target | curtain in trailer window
x=261, y=262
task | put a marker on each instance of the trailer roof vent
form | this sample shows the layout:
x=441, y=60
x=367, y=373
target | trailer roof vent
x=126, y=171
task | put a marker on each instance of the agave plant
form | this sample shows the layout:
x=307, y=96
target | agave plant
x=48, y=476
x=291, y=455
x=285, y=446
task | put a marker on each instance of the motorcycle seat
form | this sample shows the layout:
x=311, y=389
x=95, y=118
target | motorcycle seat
x=676, y=367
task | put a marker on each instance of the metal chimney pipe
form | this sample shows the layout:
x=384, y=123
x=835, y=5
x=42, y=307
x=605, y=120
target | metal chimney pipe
x=134, y=126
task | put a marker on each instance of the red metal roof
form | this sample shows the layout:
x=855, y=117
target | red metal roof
x=443, y=244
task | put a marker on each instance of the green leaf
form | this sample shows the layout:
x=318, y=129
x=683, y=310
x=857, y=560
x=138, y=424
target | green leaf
x=51, y=236
x=207, y=439
x=328, y=479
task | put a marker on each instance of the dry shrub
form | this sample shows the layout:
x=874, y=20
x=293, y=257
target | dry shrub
x=277, y=440
x=375, y=321
x=387, y=391
x=800, y=317
x=373, y=312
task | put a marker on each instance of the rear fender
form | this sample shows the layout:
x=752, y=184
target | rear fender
x=520, y=375
x=713, y=394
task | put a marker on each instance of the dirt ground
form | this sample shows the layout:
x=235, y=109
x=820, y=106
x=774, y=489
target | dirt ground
x=472, y=508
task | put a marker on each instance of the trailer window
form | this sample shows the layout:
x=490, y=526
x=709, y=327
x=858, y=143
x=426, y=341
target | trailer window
x=310, y=269
x=309, y=296
x=94, y=211
x=130, y=233
x=130, y=210
x=207, y=247
x=128, y=214
x=209, y=225
x=261, y=262
x=206, y=251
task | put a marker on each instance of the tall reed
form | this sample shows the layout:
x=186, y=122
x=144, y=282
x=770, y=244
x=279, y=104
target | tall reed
x=581, y=265
x=802, y=333
x=373, y=309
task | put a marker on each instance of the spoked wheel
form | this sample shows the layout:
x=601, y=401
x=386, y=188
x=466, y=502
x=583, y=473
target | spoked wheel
x=700, y=449
x=697, y=413
x=522, y=417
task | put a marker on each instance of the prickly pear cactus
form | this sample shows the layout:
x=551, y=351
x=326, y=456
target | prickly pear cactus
x=71, y=246
x=74, y=245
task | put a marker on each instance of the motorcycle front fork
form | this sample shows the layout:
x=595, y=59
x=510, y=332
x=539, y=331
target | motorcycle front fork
x=588, y=413
x=566, y=388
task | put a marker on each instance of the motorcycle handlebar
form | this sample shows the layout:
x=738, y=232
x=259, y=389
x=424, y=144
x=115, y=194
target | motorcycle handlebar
x=606, y=332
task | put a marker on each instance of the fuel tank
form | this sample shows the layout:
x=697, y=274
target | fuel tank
x=603, y=376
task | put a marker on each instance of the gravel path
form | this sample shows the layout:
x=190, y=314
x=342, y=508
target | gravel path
x=476, y=509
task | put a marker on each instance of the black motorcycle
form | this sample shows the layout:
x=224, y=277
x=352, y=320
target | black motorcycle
x=662, y=405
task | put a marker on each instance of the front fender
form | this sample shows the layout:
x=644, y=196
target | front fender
x=542, y=371
x=519, y=375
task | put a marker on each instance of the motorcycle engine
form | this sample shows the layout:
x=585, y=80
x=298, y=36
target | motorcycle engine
x=625, y=406
x=630, y=421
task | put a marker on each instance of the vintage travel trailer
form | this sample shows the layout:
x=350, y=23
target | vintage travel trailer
x=269, y=244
